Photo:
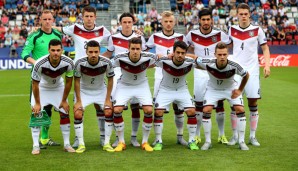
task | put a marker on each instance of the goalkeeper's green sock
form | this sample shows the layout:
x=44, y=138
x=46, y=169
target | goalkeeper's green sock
x=45, y=134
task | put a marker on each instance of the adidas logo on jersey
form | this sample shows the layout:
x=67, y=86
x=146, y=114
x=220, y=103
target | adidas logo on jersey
x=96, y=33
x=119, y=42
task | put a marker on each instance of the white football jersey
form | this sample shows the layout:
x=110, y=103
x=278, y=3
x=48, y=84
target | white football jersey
x=163, y=45
x=118, y=43
x=81, y=36
x=204, y=44
x=174, y=77
x=49, y=76
x=221, y=79
x=92, y=76
x=245, y=46
x=134, y=72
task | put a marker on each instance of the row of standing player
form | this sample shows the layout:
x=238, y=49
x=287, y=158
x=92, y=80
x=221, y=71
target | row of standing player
x=163, y=42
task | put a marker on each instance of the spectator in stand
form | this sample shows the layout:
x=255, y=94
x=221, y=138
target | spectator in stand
x=33, y=8
x=152, y=13
x=215, y=10
x=215, y=18
x=8, y=38
x=16, y=29
x=219, y=2
x=2, y=34
x=72, y=18
x=73, y=6
x=274, y=10
x=199, y=5
x=2, y=3
x=271, y=21
x=233, y=12
x=186, y=6
x=58, y=20
x=180, y=4
x=188, y=18
x=266, y=7
x=255, y=17
x=281, y=9
x=181, y=20
x=221, y=12
x=30, y=28
x=31, y=21
x=194, y=11
x=4, y=19
x=141, y=18
x=21, y=41
x=15, y=36
x=155, y=25
x=212, y=5
x=85, y=3
x=114, y=29
x=24, y=21
x=20, y=5
x=13, y=50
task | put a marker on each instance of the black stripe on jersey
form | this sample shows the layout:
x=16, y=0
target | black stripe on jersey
x=68, y=60
x=206, y=61
x=57, y=34
x=41, y=62
x=84, y=59
x=93, y=71
x=221, y=75
x=53, y=74
x=121, y=55
x=106, y=60
x=188, y=59
x=38, y=36
x=134, y=69
x=177, y=72
x=240, y=69
x=148, y=54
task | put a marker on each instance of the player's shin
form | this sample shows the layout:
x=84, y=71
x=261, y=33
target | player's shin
x=65, y=127
x=234, y=123
x=199, y=115
x=147, y=125
x=135, y=119
x=179, y=119
x=109, y=124
x=35, y=135
x=101, y=124
x=192, y=127
x=241, y=124
x=158, y=127
x=220, y=118
x=207, y=125
x=119, y=126
x=79, y=129
x=254, y=118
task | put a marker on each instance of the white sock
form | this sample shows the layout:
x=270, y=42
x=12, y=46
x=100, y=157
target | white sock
x=119, y=127
x=108, y=128
x=179, y=120
x=207, y=125
x=101, y=125
x=220, y=119
x=146, y=131
x=234, y=124
x=158, y=127
x=65, y=129
x=254, y=118
x=135, y=122
x=199, y=116
x=35, y=131
x=241, y=124
x=79, y=129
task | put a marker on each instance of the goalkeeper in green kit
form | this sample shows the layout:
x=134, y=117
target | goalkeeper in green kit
x=37, y=44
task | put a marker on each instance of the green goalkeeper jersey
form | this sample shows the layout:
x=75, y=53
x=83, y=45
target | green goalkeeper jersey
x=38, y=43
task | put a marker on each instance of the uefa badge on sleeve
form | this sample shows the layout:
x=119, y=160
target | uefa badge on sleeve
x=41, y=119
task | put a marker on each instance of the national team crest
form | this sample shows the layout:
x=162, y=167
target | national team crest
x=96, y=33
x=251, y=34
x=214, y=39
x=143, y=66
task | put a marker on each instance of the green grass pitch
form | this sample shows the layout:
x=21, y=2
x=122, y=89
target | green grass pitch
x=277, y=133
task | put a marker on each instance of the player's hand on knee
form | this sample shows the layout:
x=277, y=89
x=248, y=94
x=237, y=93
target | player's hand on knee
x=236, y=93
x=108, y=111
x=65, y=106
x=36, y=109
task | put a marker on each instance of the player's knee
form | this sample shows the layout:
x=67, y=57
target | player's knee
x=190, y=111
x=220, y=106
x=207, y=109
x=252, y=102
x=78, y=113
x=147, y=109
x=158, y=113
x=239, y=109
x=118, y=109
x=108, y=112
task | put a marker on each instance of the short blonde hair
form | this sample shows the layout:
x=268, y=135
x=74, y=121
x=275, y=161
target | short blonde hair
x=167, y=14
